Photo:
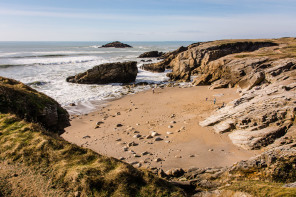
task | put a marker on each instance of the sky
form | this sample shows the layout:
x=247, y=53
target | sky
x=149, y=20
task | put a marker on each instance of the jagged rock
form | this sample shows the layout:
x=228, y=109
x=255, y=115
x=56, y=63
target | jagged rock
x=153, y=68
x=25, y=102
x=198, y=57
x=116, y=44
x=118, y=72
x=151, y=54
x=161, y=66
x=262, y=113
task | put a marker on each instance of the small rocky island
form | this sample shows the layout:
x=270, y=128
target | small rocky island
x=116, y=44
x=118, y=72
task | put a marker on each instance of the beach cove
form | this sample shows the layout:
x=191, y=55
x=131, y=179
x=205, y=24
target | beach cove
x=159, y=130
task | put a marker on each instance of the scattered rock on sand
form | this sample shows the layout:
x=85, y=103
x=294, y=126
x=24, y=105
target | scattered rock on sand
x=119, y=125
x=132, y=144
x=173, y=122
x=170, y=126
x=157, y=159
x=149, y=136
x=158, y=139
x=154, y=133
x=121, y=158
x=210, y=150
x=169, y=133
x=137, y=136
x=85, y=137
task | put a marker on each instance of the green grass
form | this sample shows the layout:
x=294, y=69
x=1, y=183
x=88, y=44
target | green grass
x=70, y=168
x=264, y=189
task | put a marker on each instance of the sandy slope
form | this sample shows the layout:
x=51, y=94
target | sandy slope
x=188, y=145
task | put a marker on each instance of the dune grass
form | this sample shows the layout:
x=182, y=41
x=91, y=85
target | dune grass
x=70, y=169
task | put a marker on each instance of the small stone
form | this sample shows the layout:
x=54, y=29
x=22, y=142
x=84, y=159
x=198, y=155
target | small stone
x=100, y=122
x=136, y=155
x=85, y=137
x=170, y=126
x=169, y=133
x=154, y=133
x=173, y=122
x=158, y=160
x=167, y=141
x=137, y=136
x=118, y=140
x=72, y=104
x=132, y=144
x=136, y=132
x=158, y=139
x=173, y=116
x=210, y=150
x=138, y=124
x=125, y=149
x=149, y=136
x=119, y=125
x=145, y=153
x=121, y=158
x=191, y=155
x=178, y=156
x=118, y=113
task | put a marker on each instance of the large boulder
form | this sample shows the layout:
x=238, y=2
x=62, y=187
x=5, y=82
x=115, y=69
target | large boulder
x=25, y=102
x=153, y=68
x=116, y=44
x=118, y=72
x=151, y=54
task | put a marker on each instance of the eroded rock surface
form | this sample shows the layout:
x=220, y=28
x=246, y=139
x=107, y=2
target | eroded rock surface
x=151, y=54
x=118, y=72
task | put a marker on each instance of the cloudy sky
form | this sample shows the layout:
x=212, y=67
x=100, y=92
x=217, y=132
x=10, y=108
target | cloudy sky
x=149, y=20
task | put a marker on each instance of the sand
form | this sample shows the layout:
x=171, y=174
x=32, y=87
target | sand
x=174, y=113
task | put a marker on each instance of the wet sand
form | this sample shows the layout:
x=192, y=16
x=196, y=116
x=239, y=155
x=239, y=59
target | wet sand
x=174, y=113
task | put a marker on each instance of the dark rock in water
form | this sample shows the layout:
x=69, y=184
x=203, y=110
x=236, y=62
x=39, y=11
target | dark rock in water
x=37, y=83
x=25, y=102
x=153, y=68
x=151, y=54
x=116, y=44
x=117, y=72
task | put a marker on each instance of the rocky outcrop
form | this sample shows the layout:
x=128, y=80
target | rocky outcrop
x=118, y=72
x=151, y=54
x=266, y=109
x=200, y=55
x=33, y=106
x=161, y=66
x=116, y=44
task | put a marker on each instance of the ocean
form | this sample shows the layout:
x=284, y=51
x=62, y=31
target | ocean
x=45, y=66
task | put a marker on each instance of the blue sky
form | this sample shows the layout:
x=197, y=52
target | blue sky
x=149, y=20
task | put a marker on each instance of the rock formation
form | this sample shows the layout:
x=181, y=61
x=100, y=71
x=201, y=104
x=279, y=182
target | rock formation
x=161, y=66
x=118, y=72
x=116, y=44
x=31, y=105
x=151, y=54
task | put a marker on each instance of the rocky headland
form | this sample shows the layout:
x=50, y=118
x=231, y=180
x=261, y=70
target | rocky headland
x=118, y=72
x=263, y=72
x=116, y=44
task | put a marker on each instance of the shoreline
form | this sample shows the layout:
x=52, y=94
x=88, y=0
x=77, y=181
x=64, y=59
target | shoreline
x=172, y=112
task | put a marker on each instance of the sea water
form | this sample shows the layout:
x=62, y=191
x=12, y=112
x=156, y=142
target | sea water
x=45, y=66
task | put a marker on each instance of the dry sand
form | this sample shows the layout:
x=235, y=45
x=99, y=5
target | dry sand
x=184, y=145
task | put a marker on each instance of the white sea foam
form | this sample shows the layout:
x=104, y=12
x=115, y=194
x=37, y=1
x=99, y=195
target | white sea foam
x=54, y=69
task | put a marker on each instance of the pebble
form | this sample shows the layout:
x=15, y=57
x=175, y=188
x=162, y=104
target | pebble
x=158, y=160
x=170, y=126
x=121, y=158
x=118, y=113
x=137, y=136
x=118, y=140
x=85, y=137
x=149, y=136
x=119, y=125
x=136, y=155
x=173, y=116
x=145, y=153
x=191, y=155
x=136, y=132
x=125, y=148
x=167, y=141
x=158, y=139
x=211, y=150
x=100, y=122
x=153, y=134
x=178, y=156
x=169, y=133
x=132, y=144
x=173, y=122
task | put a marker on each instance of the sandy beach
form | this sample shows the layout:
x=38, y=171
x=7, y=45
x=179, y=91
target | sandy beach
x=159, y=130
